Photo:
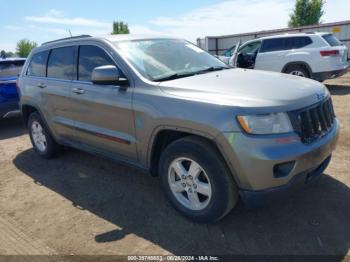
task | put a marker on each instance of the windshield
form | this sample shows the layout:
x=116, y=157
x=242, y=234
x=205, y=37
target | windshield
x=166, y=59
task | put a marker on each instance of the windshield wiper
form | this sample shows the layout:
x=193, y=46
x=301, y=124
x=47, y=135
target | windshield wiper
x=173, y=76
x=186, y=74
x=211, y=69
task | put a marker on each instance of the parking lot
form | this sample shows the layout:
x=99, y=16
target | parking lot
x=82, y=204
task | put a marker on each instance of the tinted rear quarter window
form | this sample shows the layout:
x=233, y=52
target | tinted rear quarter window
x=61, y=63
x=271, y=45
x=37, y=66
x=89, y=58
x=11, y=68
x=297, y=42
x=332, y=40
x=285, y=43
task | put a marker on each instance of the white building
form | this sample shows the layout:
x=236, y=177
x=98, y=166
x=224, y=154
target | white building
x=218, y=44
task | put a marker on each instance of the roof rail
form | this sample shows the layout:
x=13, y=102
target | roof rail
x=67, y=38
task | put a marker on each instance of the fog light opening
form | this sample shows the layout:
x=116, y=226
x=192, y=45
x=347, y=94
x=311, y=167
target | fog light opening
x=283, y=169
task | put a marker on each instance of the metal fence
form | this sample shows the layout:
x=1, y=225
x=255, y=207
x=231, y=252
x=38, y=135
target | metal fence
x=218, y=44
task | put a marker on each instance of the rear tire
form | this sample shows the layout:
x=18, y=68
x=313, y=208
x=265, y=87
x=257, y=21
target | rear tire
x=41, y=138
x=298, y=70
x=205, y=191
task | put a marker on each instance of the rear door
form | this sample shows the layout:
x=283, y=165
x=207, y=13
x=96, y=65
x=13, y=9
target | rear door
x=275, y=53
x=272, y=54
x=55, y=90
x=103, y=114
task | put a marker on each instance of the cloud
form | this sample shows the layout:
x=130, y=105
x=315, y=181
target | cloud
x=31, y=27
x=57, y=17
x=227, y=17
x=13, y=27
x=144, y=30
x=239, y=16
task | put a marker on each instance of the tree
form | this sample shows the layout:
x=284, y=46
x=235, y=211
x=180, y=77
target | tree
x=24, y=47
x=120, y=28
x=306, y=12
x=4, y=54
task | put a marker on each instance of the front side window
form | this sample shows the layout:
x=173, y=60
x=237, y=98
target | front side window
x=11, y=68
x=89, y=58
x=158, y=59
x=61, y=63
x=250, y=48
x=37, y=66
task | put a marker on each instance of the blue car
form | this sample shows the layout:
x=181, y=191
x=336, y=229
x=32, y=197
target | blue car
x=9, y=70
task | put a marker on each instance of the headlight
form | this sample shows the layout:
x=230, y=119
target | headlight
x=276, y=123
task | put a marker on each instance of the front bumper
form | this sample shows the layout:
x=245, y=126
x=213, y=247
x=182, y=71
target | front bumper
x=253, y=199
x=252, y=159
x=322, y=76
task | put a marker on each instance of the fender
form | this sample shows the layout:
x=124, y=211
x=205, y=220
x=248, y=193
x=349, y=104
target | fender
x=160, y=128
x=297, y=63
x=41, y=115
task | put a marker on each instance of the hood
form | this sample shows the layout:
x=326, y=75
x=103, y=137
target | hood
x=248, y=88
x=8, y=78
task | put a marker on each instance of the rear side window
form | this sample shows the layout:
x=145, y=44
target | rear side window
x=11, y=68
x=89, y=58
x=297, y=42
x=61, y=63
x=286, y=43
x=332, y=40
x=270, y=45
x=37, y=66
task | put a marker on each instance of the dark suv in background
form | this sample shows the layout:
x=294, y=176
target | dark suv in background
x=9, y=71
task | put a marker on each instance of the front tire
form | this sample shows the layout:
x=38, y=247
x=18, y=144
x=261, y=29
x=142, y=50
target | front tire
x=41, y=138
x=196, y=180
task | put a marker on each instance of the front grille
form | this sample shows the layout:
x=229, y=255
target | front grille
x=313, y=122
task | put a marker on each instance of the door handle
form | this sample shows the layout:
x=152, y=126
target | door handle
x=41, y=85
x=78, y=91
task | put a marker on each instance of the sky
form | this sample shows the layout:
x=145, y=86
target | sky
x=41, y=20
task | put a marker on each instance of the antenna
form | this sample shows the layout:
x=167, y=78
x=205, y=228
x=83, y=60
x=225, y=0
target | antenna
x=70, y=33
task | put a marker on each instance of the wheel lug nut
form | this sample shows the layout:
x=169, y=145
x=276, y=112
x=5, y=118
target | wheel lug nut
x=190, y=177
x=190, y=190
x=183, y=177
x=184, y=184
x=194, y=186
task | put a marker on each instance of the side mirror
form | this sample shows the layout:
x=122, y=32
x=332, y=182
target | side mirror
x=105, y=75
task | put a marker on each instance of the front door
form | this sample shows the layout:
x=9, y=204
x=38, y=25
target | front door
x=247, y=55
x=103, y=116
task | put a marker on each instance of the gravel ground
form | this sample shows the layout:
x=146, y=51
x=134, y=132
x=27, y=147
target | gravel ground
x=82, y=204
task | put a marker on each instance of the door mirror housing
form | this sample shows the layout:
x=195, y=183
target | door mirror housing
x=106, y=75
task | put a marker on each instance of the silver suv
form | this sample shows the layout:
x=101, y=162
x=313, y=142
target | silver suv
x=210, y=133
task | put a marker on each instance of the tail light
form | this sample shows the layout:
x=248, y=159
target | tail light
x=329, y=52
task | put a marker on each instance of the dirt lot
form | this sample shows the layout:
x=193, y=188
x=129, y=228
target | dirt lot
x=82, y=204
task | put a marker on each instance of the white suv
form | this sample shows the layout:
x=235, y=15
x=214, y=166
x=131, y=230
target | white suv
x=319, y=56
